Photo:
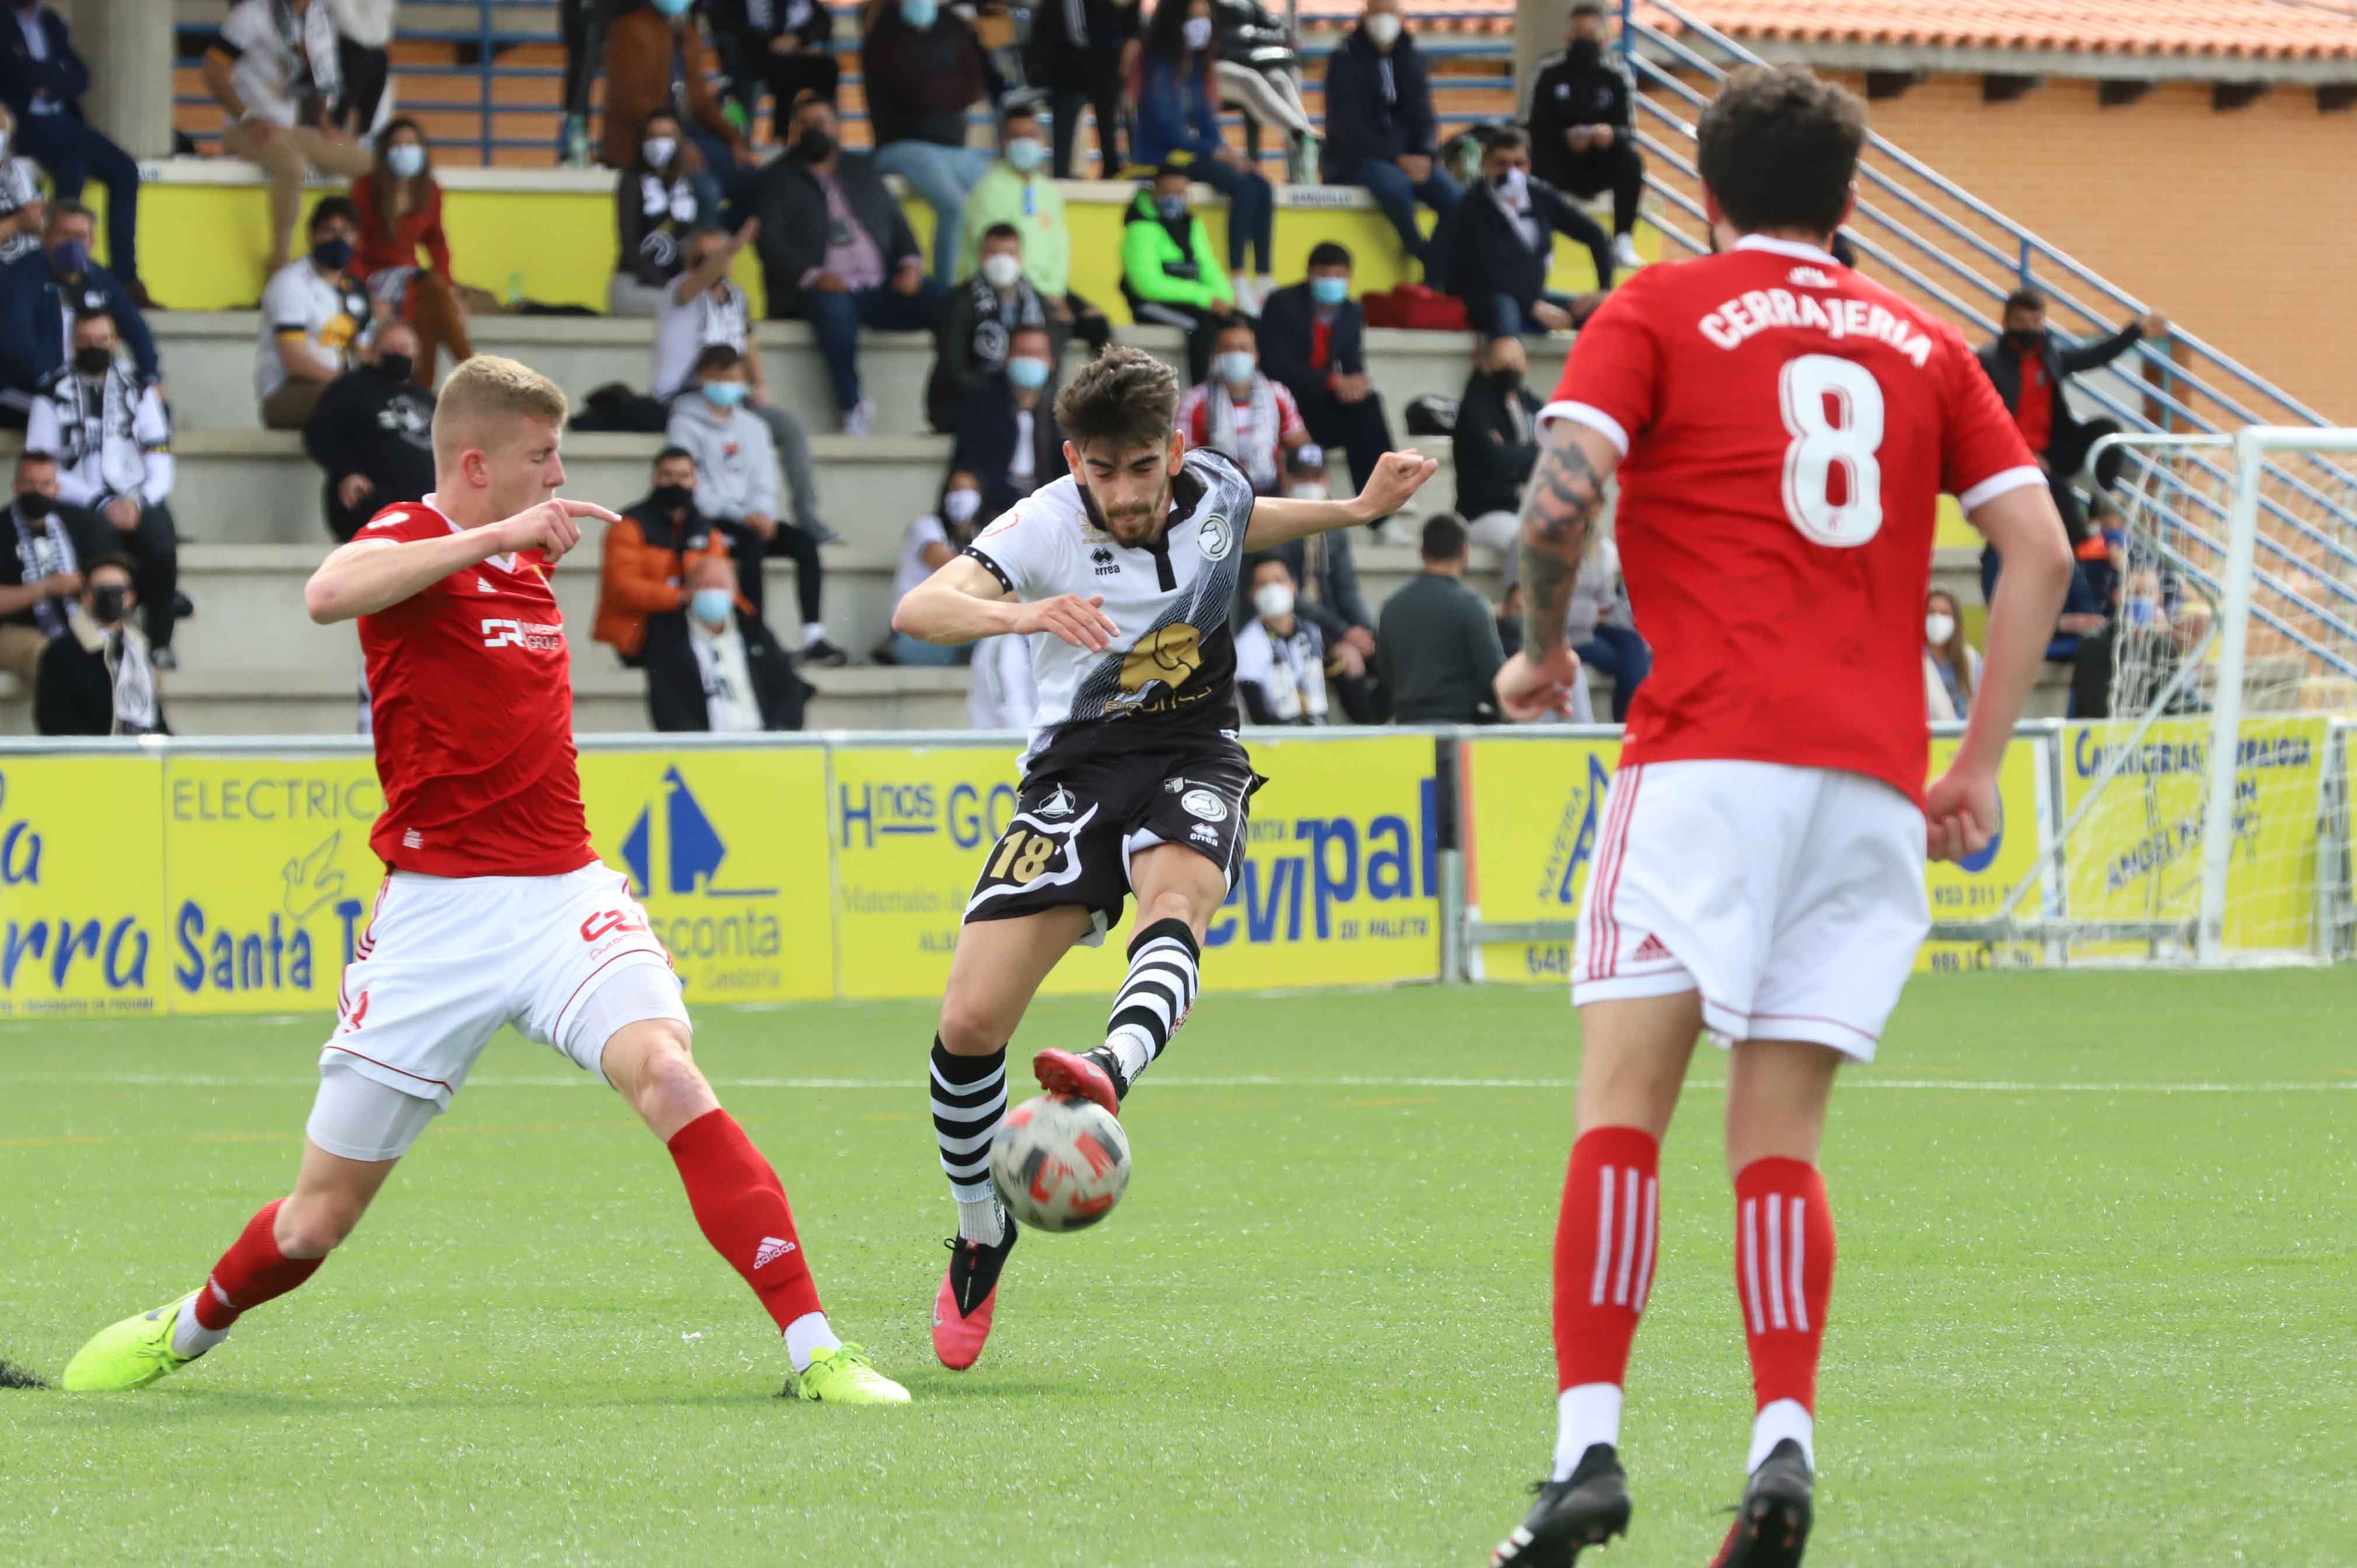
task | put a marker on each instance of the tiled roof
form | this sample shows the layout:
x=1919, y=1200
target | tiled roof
x=2228, y=29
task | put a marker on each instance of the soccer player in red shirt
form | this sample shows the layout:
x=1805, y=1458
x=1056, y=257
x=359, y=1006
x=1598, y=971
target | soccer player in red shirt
x=1781, y=429
x=494, y=909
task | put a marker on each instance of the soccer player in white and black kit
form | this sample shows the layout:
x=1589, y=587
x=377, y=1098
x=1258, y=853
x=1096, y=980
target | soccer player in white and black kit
x=1134, y=782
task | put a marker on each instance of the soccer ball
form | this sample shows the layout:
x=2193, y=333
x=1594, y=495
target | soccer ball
x=1059, y=1163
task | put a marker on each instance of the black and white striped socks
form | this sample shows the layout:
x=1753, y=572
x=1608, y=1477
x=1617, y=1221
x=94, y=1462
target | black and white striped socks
x=1152, y=1001
x=969, y=1096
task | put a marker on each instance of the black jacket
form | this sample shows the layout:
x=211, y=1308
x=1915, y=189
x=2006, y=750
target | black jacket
x=2068, y=439
x=74, y=692
x=1564, y=95
x=675, y=687
x=791, y=205
x=62, y=76
x=1364, y=120
x=33, y=307
x=1108, y=25
x=919, y=84
x=970, y=345
x=986, y=443
x=86, y=536
x=1491, y=459
x=1287, y=332
x=373, y=426
x=1487, y=255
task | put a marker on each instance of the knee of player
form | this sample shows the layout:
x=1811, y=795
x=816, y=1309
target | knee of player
x=969, y=1029
x=668, y=1069
x=1170, y=904
x=315, y=1224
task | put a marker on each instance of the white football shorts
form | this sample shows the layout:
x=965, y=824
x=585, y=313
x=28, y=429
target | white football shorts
x=447, y=959
x=1792, y=898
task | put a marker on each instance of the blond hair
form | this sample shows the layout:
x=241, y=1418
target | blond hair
x=482, y=395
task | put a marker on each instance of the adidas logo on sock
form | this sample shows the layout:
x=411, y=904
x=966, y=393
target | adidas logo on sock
x=772, y=1249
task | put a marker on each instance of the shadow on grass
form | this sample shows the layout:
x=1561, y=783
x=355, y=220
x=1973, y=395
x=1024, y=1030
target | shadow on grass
x=13, y=1376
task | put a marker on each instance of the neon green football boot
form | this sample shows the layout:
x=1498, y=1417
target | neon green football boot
x=130, y=1354
x=844, y=1376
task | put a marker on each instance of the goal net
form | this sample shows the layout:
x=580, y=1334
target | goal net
x=2202, y=796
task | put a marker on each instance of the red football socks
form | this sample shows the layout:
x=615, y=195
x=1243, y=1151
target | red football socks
x=1604, y=1253
x=251, y=1272
x=1784, y=1278
x=741, y=1207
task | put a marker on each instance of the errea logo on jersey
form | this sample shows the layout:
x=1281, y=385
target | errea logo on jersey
x=502, y=633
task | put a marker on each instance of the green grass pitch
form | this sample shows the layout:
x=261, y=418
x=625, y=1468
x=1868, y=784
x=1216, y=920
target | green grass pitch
x=2094, y=1305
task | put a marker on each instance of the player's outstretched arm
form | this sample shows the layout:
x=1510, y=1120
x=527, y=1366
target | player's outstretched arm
x=371, y=575
x=1961, y=807
x=1560, y=508
x=962, y=602
x=1395, y=479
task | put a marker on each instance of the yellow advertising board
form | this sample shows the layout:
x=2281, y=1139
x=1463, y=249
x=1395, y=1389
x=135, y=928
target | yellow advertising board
x=1337, y=888
x=1976, y=887
x=2137, y=855
x=727, y=850
x=81, y=880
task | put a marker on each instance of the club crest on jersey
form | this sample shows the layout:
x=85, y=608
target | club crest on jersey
x=1166, y=656
x=1215, y=538
x=1060, y=803
x=1204, y=804
x=1106, y=564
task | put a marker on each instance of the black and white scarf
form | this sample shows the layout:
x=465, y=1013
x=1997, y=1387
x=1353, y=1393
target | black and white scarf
x=103, y=420
x=1259, y=462
x=132, y=673
x=43, y=549
x=996, y=321
x=318, y=84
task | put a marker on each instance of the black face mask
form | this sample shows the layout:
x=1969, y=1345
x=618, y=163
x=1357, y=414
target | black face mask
x=396, y=367
x=106, y=605
x=1584, y=53
x=814, y=146
x=34, y=504
x=93, y=361
x=331, y=254
x=673, y=498
x=1507, y=380
x=2026, y=342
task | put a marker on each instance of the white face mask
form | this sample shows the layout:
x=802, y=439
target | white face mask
x=1383, y=27
x=1273, y=600
x=404, y=161
x=1311, y=493
x=1938, y=629
x=959, y=505
x=1000, y=270
x=1197, y=32
x=659, y=150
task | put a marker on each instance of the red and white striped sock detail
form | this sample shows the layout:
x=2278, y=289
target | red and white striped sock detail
x=1604, y=1243
x=1784, y=1276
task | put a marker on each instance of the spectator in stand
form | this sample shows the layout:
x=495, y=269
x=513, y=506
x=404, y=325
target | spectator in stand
x=1313, y=342
x=737, y=485
x=1380, y=132
x=644, y=560
x=1951, y=667
x=43, y=294
x=837, y=252
x=1167, y=271
x=715, y=666
x=364, y=58
x=274, y=72
x=2030, y=370
x=1006, y=690
x=650, y=47
x=1242, y=412
x=1280, y=655
x=1081, y=53
x=786, y=46
x=1177, y=95
x=1328, y=593
x=930, y=545
x=373, y=434
x=655, y=210
x=1009, y=436
x=100, y=677
x=1600, y=629
x=113, y=442
x=984, y=312
x=1502, y=245
x=1494, y=445
x=921, y=69
x=41, y=84
x=400, y=204
x=1017, y=192
x=22, y=210
x=1583, y=138
x=314, y=315
x=1437, y=646
x=703, y=306
x=45, y=548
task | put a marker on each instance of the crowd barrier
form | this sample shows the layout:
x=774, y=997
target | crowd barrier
x=235, y=876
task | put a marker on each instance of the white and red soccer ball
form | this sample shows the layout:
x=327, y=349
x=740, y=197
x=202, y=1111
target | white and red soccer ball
x=1059, y=1163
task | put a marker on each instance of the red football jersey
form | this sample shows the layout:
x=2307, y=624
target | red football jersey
x=1785, y=429
x=470, y=693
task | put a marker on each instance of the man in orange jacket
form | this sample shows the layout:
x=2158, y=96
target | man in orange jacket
x=647, y=553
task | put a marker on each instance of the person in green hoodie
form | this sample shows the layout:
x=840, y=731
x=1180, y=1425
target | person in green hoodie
x=1018, y=191
x=1168, y=273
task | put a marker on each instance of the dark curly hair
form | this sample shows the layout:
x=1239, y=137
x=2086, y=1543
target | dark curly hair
x=1125, y=395
x=1779, y=149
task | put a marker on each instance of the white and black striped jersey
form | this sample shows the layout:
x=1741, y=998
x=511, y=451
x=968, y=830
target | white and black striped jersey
x=1169, y=674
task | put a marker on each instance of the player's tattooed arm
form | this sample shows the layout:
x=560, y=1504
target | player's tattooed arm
x=1560, y=508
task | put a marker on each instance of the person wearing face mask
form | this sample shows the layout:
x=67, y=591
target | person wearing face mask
x=2029, y=366
x=922, y=69
x=644, y=559
x=1168, y=273
x=373, y=434
x=1242, y=412
x=400, y=204
x=928, y=545
x=984, y=312
x=713, y=666
x=1380, y=131
x=650, y=46
x=1952, y=666
x=1313, y=340
x=42, y=294
x=1280, y=655
x=1017, y=193
x=656, y=208
x=1583, y=140
x=112, y=438
x=274, y=70
x=45, y=548
x=1008, y=434
x=1327, y=593
x=313, y=314
x=1079, y=52
x=1501, y=246
x=42, y=81
x=1175, y=92
x=1495, y=443
x=736, y=487
x=99, y=678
